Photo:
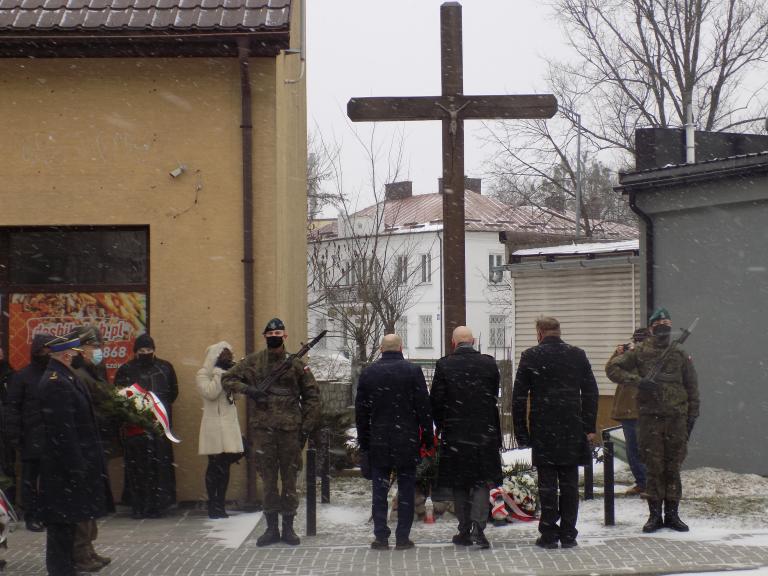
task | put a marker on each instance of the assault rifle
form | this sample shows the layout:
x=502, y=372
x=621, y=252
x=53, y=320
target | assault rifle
x=677, y=341
x=259, y=391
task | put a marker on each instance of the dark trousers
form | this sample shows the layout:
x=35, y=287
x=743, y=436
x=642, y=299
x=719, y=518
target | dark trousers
x=30, y=472
x=60, y=542
x=633, y=452
x=217, y=480
x=406, y=487
x=564, y=507
x=471, y=504
x=141, y=466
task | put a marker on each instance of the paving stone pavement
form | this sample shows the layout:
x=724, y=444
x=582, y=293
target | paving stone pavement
x=185, y=543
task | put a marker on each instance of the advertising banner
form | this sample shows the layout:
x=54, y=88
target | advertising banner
x=120, y=316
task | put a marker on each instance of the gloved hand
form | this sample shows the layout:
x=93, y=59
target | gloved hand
x=255, y=394
x=646, y=384
x=691, y=422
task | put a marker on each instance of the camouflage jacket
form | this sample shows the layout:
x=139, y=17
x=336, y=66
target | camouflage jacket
x=292, y=403
x=677, y=388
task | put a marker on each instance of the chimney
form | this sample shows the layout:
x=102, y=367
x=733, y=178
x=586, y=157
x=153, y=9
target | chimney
x=398, y=190
x=472, y=184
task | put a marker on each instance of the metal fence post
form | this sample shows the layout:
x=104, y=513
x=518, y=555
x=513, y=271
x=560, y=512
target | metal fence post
x=589, y=481
x=325, y=481
x=608, y=493
x=311, y=492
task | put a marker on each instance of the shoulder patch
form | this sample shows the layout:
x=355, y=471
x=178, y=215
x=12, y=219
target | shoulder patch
x=54, y=376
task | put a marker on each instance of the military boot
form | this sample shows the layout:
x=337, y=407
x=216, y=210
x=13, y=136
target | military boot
x=654, y=519
x=671, y=519
x=272, y=533
x=289, y=536
x=478, y=536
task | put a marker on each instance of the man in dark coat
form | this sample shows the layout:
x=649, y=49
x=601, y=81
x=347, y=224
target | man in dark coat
x=25, y=426
x=7, y=450
x=73, y=474
x=465, y=389
x=559, y=428
x=391, y=407
x=146, y=449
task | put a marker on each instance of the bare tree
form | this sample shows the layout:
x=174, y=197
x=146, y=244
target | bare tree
x=642, y=62
x=361, y=278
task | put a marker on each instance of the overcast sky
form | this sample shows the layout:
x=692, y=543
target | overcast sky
x=392, y=48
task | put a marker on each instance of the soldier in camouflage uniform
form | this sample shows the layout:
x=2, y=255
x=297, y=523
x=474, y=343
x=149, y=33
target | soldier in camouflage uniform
x=281, y=420
x=667, y=407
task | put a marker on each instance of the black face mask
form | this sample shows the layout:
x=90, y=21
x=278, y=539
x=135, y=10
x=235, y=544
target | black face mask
x=662, y=330
x=224, y=364
x=40, y=360
x=274, y=341
x=145, y=359
x=78, y=361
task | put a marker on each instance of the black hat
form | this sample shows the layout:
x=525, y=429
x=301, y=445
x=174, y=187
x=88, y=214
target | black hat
x=143, y=341
x=274, y=324
x=66, y=342
x=39, y=341
x=90, y=335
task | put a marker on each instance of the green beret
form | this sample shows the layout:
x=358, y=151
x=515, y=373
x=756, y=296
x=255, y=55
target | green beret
x=659, y=314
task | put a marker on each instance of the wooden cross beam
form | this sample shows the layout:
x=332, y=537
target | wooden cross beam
x=452, y=108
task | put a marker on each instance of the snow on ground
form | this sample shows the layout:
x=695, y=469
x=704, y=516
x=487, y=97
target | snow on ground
x=231, y=532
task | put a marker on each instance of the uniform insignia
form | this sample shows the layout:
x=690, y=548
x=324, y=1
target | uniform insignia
x=306, y=368
x=54, y=376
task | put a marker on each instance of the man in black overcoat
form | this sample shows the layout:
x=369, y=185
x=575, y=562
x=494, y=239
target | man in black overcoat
x=465, y=389
x=560, y=427
x=391, y=407
x=73, y=473
x=25, y=426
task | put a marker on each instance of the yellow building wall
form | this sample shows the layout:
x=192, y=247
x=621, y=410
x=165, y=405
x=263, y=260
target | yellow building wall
x=92, y=142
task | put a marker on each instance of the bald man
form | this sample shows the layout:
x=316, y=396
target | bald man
x=464, y=392
x=391, y=408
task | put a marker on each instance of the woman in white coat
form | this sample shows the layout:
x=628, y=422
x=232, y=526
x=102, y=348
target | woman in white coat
x=220, y=437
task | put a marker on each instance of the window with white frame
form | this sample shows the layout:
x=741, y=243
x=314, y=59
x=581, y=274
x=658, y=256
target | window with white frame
x=401, y=329
x=426, y=268
x=401, y=269
x=425, y=331
x=495, y=261
x=497, y=331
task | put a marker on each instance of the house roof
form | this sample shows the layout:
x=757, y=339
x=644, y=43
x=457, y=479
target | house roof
x=581, y=249
x=679, y=174
x=424, y=212
x=69, y=16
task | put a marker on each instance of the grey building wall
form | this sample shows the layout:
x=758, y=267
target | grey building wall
x=710, y=260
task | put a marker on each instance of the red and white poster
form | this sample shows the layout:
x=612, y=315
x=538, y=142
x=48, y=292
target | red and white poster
x=120, y=316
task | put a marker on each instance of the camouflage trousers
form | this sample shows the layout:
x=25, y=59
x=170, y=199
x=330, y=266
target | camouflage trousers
x=663, y=443
x=278, y=452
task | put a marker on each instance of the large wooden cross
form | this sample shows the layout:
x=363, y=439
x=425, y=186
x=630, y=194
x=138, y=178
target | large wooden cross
x=452, y=107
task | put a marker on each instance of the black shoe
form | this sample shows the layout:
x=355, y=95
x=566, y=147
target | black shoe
x=654, y=521
x=289, y=536
x=546, y=543
x=462, y=539
x=568, y=543
x=379, y=545
x=671, y=518
x=478, y=537
x=272, y=533
x=406, y=544
x=34, y=526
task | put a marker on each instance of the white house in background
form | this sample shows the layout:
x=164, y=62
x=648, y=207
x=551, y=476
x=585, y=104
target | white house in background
x=413, y=229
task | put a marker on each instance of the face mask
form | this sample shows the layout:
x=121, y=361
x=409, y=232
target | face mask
x=40, y=359
x=662, y=330
x=145, y=358
x=97, y=356
x=274, y=341
x=78, y=361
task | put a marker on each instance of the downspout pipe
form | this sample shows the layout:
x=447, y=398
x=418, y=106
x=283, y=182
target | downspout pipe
x=246, y=127
x=649, y=262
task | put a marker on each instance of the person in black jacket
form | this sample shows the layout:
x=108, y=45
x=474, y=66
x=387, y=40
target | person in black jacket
x=464, y=392
x=24, y=425
x=7, y=450
x=150, y=450
x=560, y=427
x=73, y=473
x=392, y=404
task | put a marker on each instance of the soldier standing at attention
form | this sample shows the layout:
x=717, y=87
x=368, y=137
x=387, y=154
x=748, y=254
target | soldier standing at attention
x=281, y=419
x=667, y=409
